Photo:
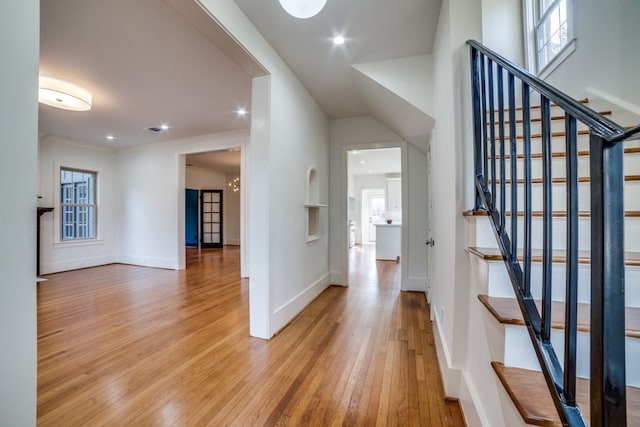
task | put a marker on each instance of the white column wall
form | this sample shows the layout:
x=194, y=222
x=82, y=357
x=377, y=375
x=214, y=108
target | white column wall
x=19, y=32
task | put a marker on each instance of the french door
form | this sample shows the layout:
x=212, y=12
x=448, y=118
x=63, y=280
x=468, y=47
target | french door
x=211, y=218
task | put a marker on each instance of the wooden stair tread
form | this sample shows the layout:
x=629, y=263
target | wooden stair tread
x=507, y=311
x=582, y=153
x=556, y=214
x=528, y=391
x=559, y=256
x=553, y=118
x=537, y=107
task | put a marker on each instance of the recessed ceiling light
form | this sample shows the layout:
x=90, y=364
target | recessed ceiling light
x=338, y=40
x=164, y=127
x=370, y=171
x=242, y=112
x=362, y=162
x=355, y=151
x=111, y=137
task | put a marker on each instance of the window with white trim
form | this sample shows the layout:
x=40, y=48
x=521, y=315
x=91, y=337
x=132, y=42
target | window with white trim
x=550, y=31
x=77, y=204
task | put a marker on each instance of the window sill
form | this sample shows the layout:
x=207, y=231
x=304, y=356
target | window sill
x=78, y=243
x=558, y=59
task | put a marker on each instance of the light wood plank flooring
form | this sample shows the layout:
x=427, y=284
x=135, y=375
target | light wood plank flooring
x=125, y=345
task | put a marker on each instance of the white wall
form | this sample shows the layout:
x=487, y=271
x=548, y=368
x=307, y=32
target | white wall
x=417, y=206
x=502, y=29
x=19, y=32
x=607, y=39
x=151, y=182
x=198, y=178
x=453, y=191
x=57, y=255
x=289, y=134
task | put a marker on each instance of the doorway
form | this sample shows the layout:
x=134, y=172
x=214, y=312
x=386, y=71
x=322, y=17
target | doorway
x=191, y=217
x=373, y=213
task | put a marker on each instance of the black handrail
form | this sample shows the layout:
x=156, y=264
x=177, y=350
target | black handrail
x=608, y=387
x=604, y=127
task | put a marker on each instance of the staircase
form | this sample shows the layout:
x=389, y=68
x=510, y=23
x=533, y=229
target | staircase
x=555, y=249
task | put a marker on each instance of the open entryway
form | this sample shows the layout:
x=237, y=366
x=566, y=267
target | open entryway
x=374, y=194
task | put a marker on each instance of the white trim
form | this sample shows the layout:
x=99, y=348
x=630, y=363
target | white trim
x=167, y=263
x=593, y=93
x=78, y=242
x=566, y=51
x=287, y=311
x=417, y=284
x=450, y=375
x=338, y=278
x=75, y=264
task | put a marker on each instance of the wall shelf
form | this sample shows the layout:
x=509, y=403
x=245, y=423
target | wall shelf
x=312, y=206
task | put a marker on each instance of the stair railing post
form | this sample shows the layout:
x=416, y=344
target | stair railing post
x=477, y=129
x=608, y=390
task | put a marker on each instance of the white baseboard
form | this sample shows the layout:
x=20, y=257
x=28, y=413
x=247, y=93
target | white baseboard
x=168, y=263
x=75, y=264
x=417, y=284
x=339, y=278
x=450, y=375
x=283, y=314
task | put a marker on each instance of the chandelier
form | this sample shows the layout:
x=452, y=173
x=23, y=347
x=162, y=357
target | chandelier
x=234, y=184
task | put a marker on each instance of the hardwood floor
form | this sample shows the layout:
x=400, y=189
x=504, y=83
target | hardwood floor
x=125, y=345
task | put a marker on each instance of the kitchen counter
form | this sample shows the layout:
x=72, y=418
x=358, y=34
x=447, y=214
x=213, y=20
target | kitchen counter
x=388, y=241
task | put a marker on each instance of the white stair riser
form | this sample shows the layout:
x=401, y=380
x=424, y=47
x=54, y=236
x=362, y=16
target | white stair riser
x=536, y=127
x=519, y=352
x=559, y=196
x=485, y=236
x=558, y=166
x=499, y=284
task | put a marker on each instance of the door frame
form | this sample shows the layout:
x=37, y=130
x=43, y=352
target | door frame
x=365, y=210
x=340, y=270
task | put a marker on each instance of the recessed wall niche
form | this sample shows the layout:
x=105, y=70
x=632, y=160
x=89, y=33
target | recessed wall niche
x=312, y=206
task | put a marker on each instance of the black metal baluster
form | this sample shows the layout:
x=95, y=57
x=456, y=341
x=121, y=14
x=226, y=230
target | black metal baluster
x=477, y=129
x=547, y=219
x=526, y=128
x=483, y=98
x=492, y=131
x=608, y=391
x=503, y=176
x=514, y=168
x=571, y=298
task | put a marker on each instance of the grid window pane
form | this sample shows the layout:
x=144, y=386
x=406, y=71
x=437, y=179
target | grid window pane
x=77, y=204
x=551, y=30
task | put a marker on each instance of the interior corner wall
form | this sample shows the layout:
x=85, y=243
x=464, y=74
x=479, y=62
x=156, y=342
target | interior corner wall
x=19, y=32
x=57, y=255
x=607, y=38
x=452, y=148
x=502, y=29
x=292, y=132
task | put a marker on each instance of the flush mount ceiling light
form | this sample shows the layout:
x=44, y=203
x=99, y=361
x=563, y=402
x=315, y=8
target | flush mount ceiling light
x=65, y=95
x=302, y=8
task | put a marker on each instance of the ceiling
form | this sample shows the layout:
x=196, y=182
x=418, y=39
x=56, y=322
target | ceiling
x=146, y=65
x=154, y=62
x=374, y=161
x=374, y=30
x=225, y=161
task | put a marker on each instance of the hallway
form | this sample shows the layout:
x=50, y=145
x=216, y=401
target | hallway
x=129, y=345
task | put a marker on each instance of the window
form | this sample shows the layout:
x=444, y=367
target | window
x=550, y=31
x=77, y=204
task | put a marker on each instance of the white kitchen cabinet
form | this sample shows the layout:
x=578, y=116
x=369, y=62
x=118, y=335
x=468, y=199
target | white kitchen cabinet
x=394, y=194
